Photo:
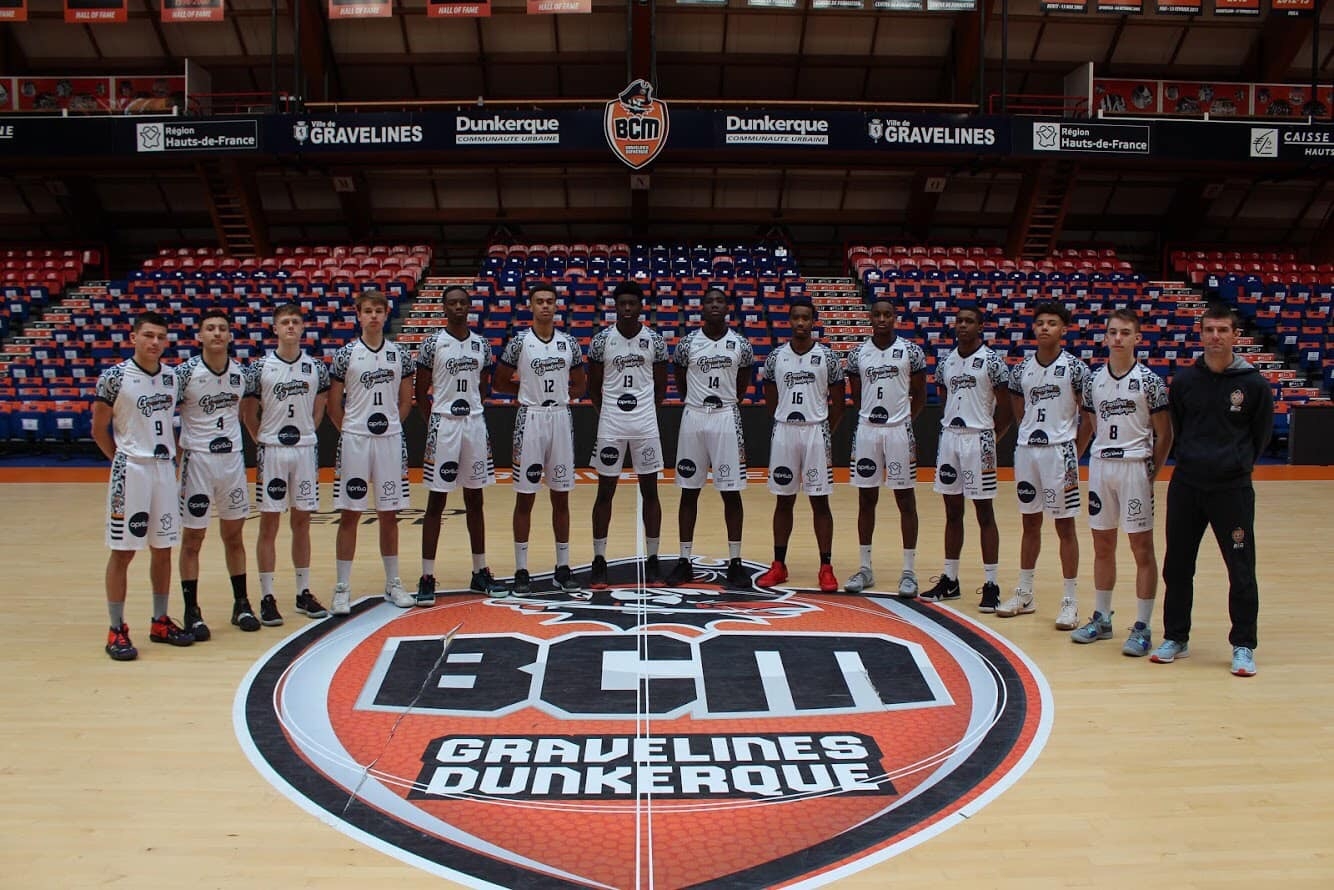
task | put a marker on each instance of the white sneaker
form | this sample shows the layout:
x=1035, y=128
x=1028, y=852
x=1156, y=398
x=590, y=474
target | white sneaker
x=1068, y=617
x=860, y=581
x=1022, y=603
x=342, y=599
x=907, y=585
x=395, y=594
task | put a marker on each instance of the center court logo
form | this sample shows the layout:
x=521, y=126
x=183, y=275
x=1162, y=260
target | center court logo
x=477, y=738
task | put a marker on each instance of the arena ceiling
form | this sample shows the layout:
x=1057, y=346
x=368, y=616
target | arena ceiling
x=698, y=53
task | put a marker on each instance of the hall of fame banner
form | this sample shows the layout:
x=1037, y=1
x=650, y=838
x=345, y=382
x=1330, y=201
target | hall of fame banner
x=178, y=11
x=89, y=12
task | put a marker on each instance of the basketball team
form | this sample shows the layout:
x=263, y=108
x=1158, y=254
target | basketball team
x=1218, y=413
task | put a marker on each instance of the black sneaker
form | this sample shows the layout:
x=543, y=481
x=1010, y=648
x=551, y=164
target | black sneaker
x=307, y=605
x=990, y=597
x=682, y=573
x=597, y=575
x=484, y=582
x=653, y=571
x=119, y=646
x=945, y=588
x=738, y=576
x=194, y=623
x=565, y=580
x=523, y=584
x=425, y=590
x=269, y=616
x=243, y=616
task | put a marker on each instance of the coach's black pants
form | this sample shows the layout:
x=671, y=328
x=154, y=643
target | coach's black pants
x=1231, y=514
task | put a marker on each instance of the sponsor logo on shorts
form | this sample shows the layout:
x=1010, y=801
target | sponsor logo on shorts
x=197, y=504
x=1038, y=437
x=686, y=469
x=138, y=524
x=879, y=414
x=627, y=402
x=276, y=489
x=289, y=435
x=609, y=456
x=220, y=445
x=948, y=474
x=377, y=423
x=161, y=452
x=1112, y=453
x=866, y=468
x=782, y=475
x=449, y=471
x=795, y=417
x=356, y=488
x=460, y=408
x=1095, y=503
x=533, y=473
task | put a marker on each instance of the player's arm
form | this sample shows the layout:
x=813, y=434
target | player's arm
x=854, y=379
x=321, y=405
x=770, y=397
x=579, y=383
x=335, y=403
x=483, y=383
x=838, y=402
x=1016, y=402
x=422, y=393
x=102, y=428
x=659, y=381
x=744, y=375
x=404, y=398
x=1262, y=420
x=916, y=393
x=1005, y=415
x=250, y=416
x=1162, y=441
x=679, y=374
x=593, y=379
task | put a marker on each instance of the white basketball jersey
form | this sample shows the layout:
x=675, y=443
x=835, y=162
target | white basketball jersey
x=1122, y=409
x=1052, y=395
x=370, y=380
x=142, y=405
x=629, y=404
x=972, y=383
x=885, y=375
x=210, y=405
x=456, y=369
x=286, y=392
x=803, y=382
x=711, y=368
x=543, y=367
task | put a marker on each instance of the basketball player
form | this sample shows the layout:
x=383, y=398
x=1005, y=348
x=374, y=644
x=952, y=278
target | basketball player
x=132, y=425
x=1223, y=412
x=972, y=381
x=544, y=367
x=1047, y=389
x=713, y=366
x=803, y=387
x=456, y=363
x=375, y=375
x=286, y=394
x=627, y=380
x=209, y=389
x=888, y=377
x=1127, y=403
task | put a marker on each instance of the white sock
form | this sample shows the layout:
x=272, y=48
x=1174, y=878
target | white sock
x=428, y=567
x=1144, y=611
x=992, y=572
x=343, y=571
x=520, y=555
x=1070, y=587
x=390, y=567
x=651, y=545
x=865, y=550
x=599, y=549
x=562, y=553
x=266, y=583
x=951, y=570
x=687, y=548
x=1026, y=579
x=1102, y=602
x=910, y=560
x=733, y=549
x=302, y=580
x=478, y=561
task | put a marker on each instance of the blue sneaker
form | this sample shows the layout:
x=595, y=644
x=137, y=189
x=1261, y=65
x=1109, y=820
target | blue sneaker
x=1139, y=642
x=1098, y=628
x=1169, y=651
x=1243, y=661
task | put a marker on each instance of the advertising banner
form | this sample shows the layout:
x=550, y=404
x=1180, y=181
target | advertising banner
x=1127, y=96
x=1064, y=137
x=1217, y=100
x=1274, y=100
x=99, y=137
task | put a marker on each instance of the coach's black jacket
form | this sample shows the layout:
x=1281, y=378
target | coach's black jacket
x=1222, y=423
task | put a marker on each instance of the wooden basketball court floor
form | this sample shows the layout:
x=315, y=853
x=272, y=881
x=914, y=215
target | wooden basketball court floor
x=1173, y=775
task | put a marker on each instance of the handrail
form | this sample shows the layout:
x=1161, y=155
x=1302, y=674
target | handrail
x=483, y=103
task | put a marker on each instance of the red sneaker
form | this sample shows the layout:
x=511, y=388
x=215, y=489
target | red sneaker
x=828, y=583
x=119, y=646
x=164, y=630
x=776, y=575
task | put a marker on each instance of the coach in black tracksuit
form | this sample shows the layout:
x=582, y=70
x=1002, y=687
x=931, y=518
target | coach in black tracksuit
x=1222, y=411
